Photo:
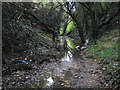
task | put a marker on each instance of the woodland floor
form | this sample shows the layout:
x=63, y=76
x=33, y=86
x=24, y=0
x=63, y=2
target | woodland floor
x=83, y=72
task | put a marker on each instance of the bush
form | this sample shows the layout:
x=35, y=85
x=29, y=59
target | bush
x=18, y=37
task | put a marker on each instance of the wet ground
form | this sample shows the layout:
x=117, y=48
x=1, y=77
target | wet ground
x=72, y=73
x=71, y=70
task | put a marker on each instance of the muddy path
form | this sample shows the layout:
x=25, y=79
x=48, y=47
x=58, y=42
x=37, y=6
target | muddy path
x=73, y=70
x=80, y=73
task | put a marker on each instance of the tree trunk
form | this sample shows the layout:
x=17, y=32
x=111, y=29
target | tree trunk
x=79, y=27
x=53, y=37
x=81, y=34
x=94, y=32
x=64, y=29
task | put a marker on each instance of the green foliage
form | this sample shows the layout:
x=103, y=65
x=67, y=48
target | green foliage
x=71, y=44
x=61, y=31
x=106, y=52
x=107, y=47
x=21, y=36
x=102, y=52
x=70, y=27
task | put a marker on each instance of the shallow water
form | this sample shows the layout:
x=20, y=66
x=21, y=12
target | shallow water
x=72, y=70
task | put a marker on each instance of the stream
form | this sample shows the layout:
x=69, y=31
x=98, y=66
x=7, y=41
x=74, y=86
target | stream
x=71, y=70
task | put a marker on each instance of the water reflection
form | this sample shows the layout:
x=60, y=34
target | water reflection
x=59, y=74
x=59, y=70
x=68, y=57
x=70, y=71
x=66, y=42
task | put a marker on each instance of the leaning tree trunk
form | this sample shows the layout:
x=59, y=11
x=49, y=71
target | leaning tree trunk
x=80, y=30
x=94, y=31
x=79, y=27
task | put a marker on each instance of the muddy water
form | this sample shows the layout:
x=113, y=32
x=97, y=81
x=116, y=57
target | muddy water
x=71, y=70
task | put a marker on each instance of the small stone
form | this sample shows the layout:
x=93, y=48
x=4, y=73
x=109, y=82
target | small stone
x=19, y=77
x=103, y=68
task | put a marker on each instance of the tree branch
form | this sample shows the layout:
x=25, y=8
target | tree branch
x=25, y=11
x=110, y=19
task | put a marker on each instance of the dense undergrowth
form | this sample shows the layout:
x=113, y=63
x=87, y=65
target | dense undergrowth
x=106, y=53
x=21, y=41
